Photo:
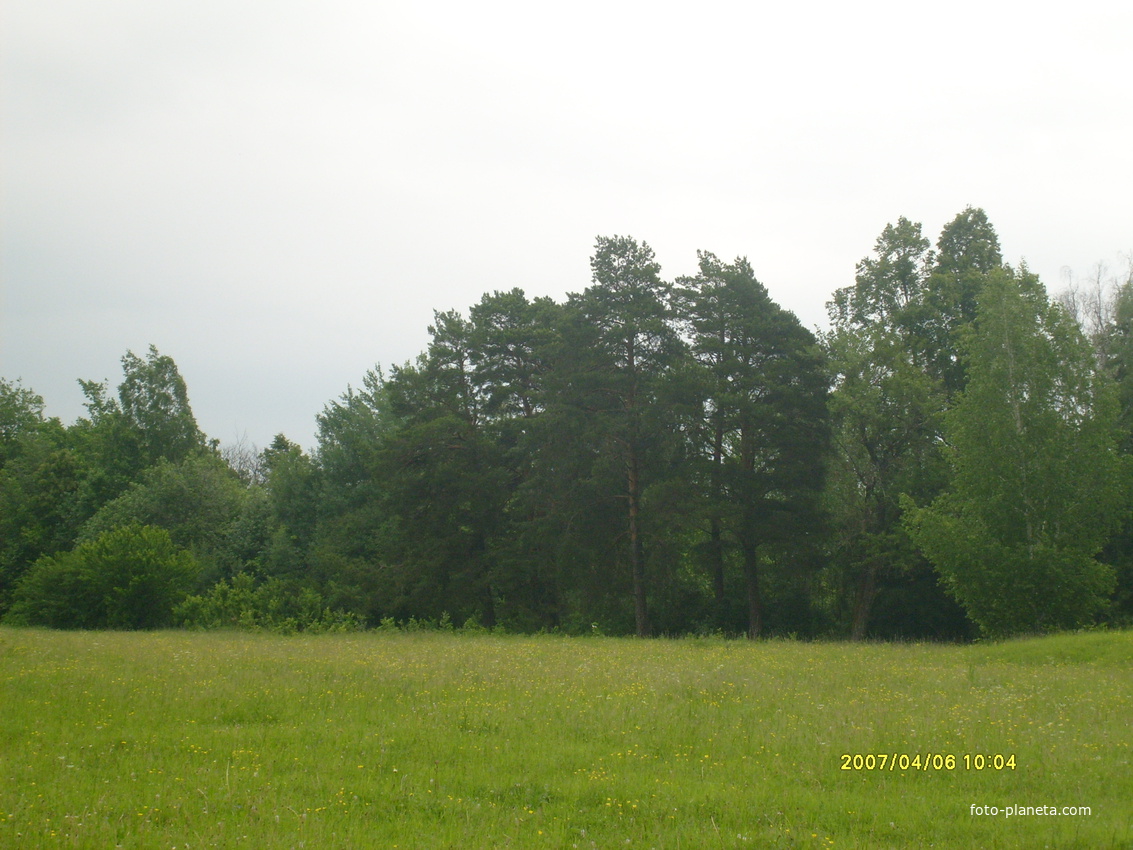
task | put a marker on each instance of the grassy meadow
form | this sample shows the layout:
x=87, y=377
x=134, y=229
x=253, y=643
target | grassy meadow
x=431, y=740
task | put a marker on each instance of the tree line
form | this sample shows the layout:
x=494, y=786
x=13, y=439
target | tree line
x=647, y=456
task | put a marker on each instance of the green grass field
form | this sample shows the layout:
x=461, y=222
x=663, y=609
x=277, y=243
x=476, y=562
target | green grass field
x=195, y=740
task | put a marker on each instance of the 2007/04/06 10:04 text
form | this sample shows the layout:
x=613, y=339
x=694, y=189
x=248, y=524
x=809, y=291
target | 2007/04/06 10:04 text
x=926, y=761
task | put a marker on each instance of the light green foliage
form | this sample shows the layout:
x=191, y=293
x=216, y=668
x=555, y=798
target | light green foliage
x=1038, y=485
x=438, y=740
x=888, y=291
x=271, y=605
x=127, y=578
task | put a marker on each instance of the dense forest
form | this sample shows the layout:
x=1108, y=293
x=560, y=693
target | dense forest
x=950, y=459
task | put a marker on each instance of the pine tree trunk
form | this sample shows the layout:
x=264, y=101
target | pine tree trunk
x=863, y=602
x=716, y=552
x=754, y=598
x=716, y=555
x=636, y=559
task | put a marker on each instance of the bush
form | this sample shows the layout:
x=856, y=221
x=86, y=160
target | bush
x=272, y=605
x=126, y=578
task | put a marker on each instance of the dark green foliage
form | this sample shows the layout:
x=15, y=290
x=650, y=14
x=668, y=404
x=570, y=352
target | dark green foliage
x=629, y=343
x=914, y=605
x=445, y=491
x=194, y=501
x=1119, y=358
x=449, y=463
x=206, y=509
x=887, y=409
x=149, y=421
x=645, y=457
x=508, y=340
x=291, y=493
x=127, y=578
x=21, y=415
x=759, y=427
x=41, y=491
x=967, y=251
x=1111, y=331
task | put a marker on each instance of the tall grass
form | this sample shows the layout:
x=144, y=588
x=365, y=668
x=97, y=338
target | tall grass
x=427, y=740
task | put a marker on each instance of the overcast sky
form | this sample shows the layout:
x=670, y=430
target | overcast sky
x=278, y=194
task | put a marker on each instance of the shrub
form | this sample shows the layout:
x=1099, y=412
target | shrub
x=272, y=605
x=126, y=578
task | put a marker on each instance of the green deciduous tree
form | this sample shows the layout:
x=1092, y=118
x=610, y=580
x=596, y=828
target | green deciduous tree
x=41, y=478
x=1117, y=350
x=292, y=485
x=1038, y=484
x=127, y=578
x=154, y=402
x=886, y=408
x=1118, y=359
x=149, y=421
x=894, y=349
x=203, y=506
x=21, y=415
x=967, y=251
